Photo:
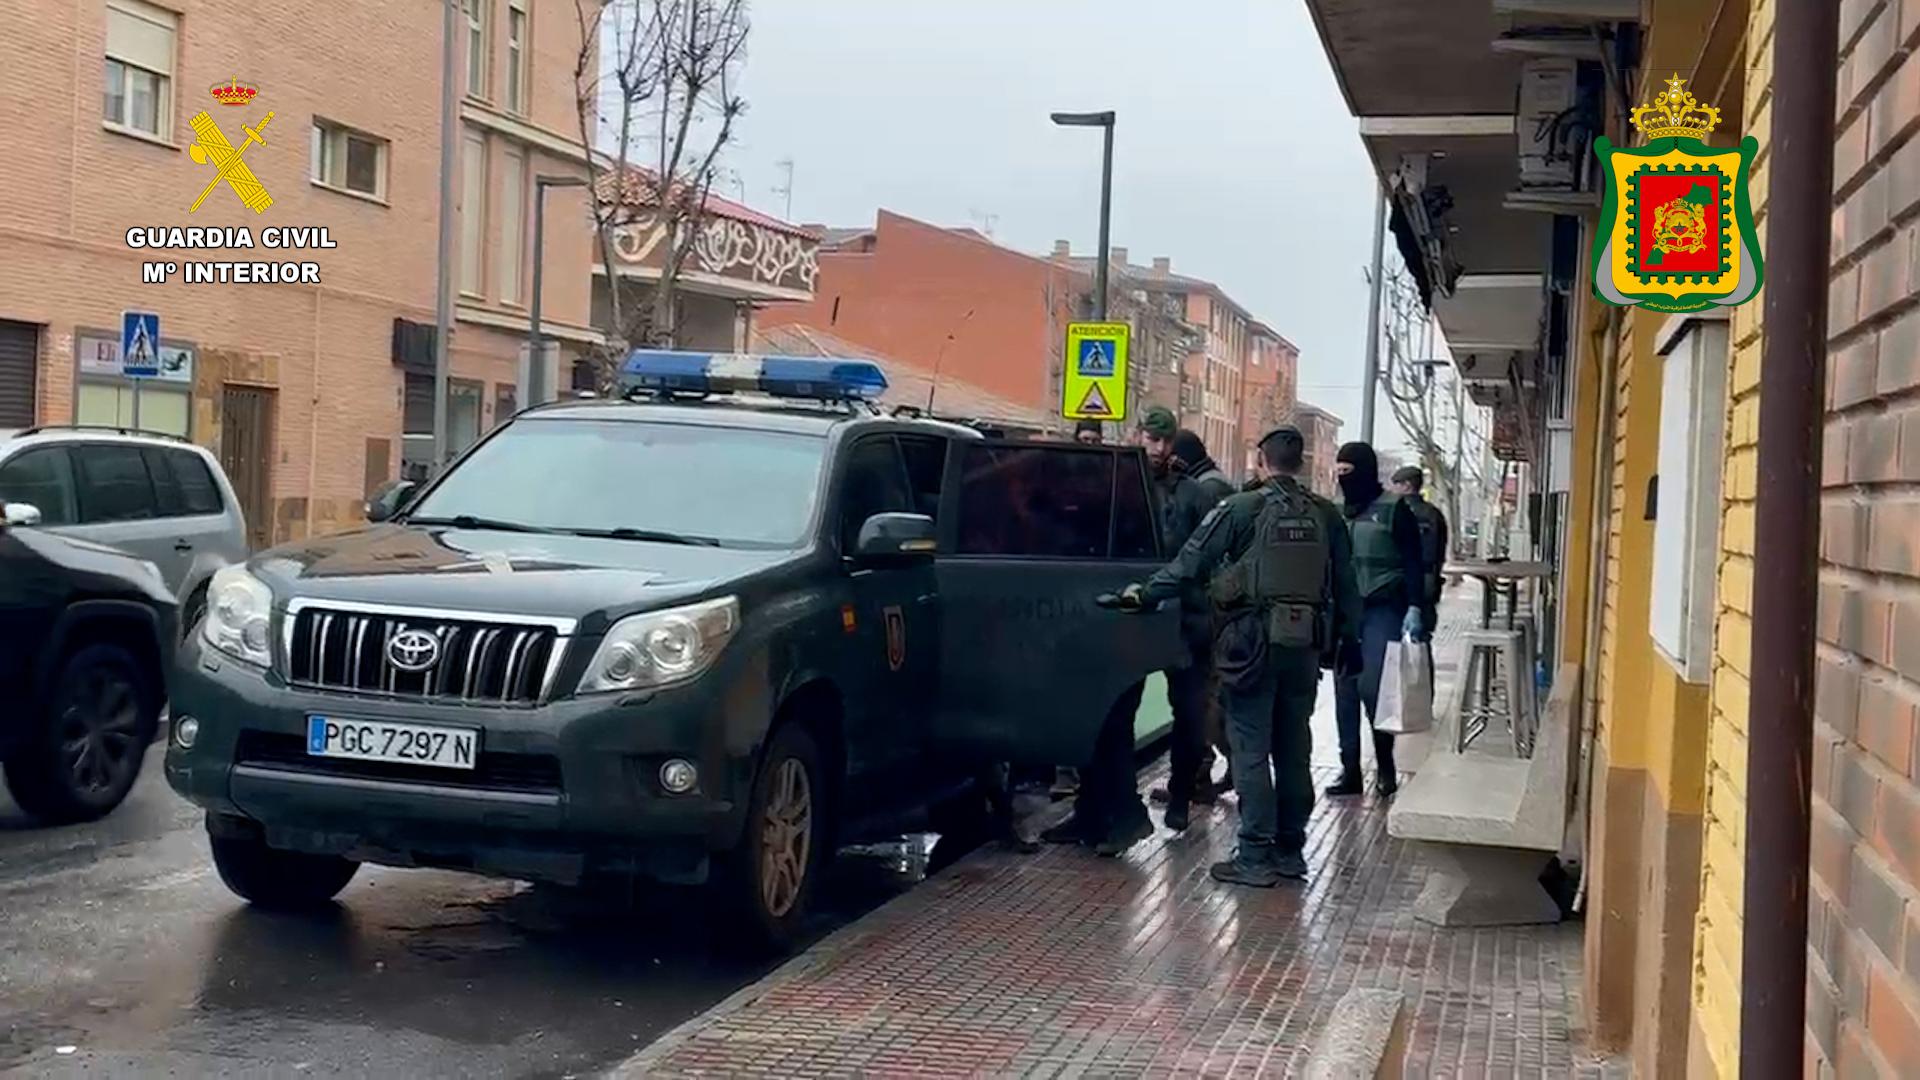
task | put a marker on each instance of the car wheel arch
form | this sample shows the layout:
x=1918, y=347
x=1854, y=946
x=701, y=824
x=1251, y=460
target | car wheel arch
x=128, y=624
x=816, y=704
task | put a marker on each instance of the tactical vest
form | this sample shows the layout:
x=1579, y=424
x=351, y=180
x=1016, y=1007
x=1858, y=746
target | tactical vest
x=1376, y=558
x=1285, y=570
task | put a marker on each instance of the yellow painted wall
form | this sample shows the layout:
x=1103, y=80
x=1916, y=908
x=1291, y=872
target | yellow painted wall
x=1716, y=945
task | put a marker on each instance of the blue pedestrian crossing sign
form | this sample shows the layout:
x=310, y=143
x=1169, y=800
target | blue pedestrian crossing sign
x=139, y=344
x=1096, y=358
x=1095, y=383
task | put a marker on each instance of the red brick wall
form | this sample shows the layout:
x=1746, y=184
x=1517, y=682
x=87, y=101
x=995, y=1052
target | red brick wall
x=910, y=297
x=326, y=350
x=1864, y=986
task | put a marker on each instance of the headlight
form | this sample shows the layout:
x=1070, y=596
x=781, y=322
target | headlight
x=239, y=610
x=661, y=647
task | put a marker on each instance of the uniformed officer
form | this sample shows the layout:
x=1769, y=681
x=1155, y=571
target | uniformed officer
x=1186, y=485
x=1280, y=579
x=1410, y=481
x=1392, y=579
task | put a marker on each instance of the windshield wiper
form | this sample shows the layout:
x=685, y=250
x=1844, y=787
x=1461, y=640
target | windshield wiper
x=655, y=535
x=468, y=521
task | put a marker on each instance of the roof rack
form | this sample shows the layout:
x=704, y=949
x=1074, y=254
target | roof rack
x=105, y=429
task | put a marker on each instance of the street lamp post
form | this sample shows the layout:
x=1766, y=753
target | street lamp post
x=1104, y=121
x=537, y=389
x=443, y=283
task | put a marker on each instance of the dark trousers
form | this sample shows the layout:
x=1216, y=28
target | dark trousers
x=1109, y=799
x=1190, y=693
x=1379, y=626
x=1267, y=719
x=1296, y=686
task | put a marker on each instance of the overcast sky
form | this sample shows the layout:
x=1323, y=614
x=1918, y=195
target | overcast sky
x=1234, y=152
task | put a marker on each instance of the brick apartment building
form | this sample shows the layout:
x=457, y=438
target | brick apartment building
x=1322, y=431
x=312, y=394
x=1271, y=388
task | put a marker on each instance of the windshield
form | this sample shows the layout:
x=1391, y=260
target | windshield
x=672, y=482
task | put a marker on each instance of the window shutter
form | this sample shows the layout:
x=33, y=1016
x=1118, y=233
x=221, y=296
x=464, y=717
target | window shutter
x=141, y=34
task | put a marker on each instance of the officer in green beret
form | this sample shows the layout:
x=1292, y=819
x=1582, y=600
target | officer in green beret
x=1187, y=484
x=1279, y=570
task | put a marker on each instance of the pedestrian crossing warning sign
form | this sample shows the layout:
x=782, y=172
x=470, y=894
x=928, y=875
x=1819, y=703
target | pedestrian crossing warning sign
x=1095, y=383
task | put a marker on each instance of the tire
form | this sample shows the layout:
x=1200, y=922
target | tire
x=279, y=880
x=101, y=715
x=769, y=878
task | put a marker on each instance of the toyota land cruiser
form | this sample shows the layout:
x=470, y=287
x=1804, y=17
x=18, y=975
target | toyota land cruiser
x=707, y=632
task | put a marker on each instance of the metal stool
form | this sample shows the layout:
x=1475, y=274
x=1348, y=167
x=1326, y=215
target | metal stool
x=1498, y=683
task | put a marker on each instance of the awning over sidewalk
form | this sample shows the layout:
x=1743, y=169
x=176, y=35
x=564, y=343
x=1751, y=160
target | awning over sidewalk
x=1477, y=115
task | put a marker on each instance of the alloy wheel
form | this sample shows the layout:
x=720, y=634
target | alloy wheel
x=100, y=731
x=786, y=837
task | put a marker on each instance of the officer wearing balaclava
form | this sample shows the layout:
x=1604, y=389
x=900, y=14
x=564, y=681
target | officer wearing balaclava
x=1392, y=581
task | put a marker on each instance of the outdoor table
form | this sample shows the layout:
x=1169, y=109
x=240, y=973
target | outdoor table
x=1495, y=575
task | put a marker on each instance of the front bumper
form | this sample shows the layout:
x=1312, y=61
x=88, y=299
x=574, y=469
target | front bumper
x=560, y=790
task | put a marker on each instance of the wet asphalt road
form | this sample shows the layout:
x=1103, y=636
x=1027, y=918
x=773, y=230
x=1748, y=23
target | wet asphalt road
x=122, y=953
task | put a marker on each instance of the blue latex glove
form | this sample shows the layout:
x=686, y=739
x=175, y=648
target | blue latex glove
x=1413, y=627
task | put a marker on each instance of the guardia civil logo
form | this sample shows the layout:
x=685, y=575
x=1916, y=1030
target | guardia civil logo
x=1676, y=226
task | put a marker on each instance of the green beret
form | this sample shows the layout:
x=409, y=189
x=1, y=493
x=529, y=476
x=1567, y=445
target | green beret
x=1160, y=422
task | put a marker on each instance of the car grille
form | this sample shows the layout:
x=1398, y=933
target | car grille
x=539, y=773
x=488, y=663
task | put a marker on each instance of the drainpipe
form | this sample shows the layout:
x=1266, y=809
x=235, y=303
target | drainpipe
x=1598, y=551
x=1786, y=560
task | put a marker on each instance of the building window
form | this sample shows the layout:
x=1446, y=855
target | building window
x=416, y=422
x=517, y=57
x=103, y=397
x=139, y=77
x=479, y=46
x=1687, y=495
x=473, y=212
x=349, y=160
x=513, y=203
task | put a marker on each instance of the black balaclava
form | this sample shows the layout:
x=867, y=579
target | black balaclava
x=1190, y=453
x=1361, y=485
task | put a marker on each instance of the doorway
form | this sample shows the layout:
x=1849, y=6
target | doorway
x=246, y=453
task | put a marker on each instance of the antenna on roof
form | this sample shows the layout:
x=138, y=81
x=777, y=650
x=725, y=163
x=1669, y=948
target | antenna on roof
x=933, y=387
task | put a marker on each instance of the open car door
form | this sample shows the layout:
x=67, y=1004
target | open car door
x=1031, y=533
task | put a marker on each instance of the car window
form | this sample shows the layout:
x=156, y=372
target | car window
x=43, y=479
x=167, y=501
x=198, y=492
x=1036, y=501
x=114, y=485
x=926, y=457
x=733, y=486
x=1132, y=511
x=875, y=482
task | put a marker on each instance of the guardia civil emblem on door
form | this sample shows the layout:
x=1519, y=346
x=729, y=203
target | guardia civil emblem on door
x=1676, y=226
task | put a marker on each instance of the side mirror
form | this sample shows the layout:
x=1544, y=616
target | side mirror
x=21, y=514
x=887, y=537
x=389, y=500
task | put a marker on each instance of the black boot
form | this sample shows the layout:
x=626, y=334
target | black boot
x=1349, y=784
x=1177, y=817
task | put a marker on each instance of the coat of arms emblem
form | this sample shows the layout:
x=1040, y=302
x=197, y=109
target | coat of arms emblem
x=1676, y=227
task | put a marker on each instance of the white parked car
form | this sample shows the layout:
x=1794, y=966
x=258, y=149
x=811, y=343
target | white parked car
x=153, y=496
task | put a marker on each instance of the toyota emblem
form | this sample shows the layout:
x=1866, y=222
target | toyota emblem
x=413, y=650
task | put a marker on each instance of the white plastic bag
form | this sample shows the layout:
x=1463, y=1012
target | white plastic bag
x=1406, y=690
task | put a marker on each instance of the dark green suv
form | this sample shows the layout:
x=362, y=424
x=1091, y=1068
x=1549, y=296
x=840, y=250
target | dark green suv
x=683, y=638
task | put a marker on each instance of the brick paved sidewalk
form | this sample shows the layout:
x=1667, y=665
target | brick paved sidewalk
x=1064, y=964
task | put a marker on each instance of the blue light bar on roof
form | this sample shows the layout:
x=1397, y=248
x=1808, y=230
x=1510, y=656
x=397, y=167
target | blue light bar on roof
x=812, y=378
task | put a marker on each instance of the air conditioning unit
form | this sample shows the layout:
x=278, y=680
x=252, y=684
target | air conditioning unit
x=1544, y=120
